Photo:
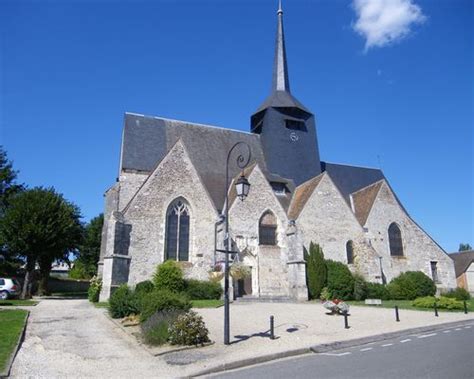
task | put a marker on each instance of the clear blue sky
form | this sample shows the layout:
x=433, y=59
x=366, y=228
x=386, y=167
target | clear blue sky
x=70, y=69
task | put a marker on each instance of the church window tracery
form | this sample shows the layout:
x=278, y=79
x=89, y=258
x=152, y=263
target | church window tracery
x=177, y=231
x=395, y=240
x=267, y=229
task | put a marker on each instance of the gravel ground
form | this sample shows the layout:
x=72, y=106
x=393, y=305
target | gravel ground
x=71, y=338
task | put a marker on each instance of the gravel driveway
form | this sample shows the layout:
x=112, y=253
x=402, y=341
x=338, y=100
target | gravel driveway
x=71, y=338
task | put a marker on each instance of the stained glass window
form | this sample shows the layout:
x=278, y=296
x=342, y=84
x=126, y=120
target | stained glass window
x=177, y=231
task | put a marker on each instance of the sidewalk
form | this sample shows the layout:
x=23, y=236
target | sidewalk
x=300, y=326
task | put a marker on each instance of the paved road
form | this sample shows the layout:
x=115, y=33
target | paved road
x=446, y=354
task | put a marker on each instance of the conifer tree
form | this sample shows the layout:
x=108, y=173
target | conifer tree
x=316, y=270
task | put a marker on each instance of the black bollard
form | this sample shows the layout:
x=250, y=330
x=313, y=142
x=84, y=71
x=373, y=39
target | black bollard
x=436, y=309
x=465, y=307
x=397, y=317
x=272, y=328
x=346, y=321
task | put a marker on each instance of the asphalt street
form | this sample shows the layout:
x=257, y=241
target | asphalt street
x=445, y=353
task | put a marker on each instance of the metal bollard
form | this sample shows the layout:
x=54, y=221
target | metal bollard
x=465, y=307
x=397, y=316
x=272, y=328
x=346, y=321
x=436, y=309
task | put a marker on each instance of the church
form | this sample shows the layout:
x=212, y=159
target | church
x=171, y=192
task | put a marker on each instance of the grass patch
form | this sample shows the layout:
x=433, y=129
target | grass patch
x=101, y=304
x=407, y=304
x=12, y=322
x=13, y=303
x=207, y=303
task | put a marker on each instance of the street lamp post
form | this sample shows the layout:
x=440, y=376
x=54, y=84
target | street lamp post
x=242, y=187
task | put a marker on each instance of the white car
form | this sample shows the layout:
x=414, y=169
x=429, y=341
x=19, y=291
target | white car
x=9, y=287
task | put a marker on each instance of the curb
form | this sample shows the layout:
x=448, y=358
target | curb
x=323, y=348
x=20, y=340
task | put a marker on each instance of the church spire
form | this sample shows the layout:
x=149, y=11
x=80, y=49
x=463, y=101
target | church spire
x=280, y=66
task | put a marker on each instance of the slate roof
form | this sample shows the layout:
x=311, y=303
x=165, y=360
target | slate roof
x=350, y=179
x=462, y=261
x=363, y=201
x=147, y=139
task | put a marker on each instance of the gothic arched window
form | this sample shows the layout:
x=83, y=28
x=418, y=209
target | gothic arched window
x=267, y=228
x=177, y=231
x=395, y=240
x=350, y=252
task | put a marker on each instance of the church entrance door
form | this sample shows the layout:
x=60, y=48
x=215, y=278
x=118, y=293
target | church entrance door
x=244, y=286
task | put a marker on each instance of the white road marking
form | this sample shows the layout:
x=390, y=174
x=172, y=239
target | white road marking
x=427, y=335
x=457, y=329
x=407, y=340
x=446, y=331
x=366, y=349
x=337, y=354
x=387, y=344
x=467, y=327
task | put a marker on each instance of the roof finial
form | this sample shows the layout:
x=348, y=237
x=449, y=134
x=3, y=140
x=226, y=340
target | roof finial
x=280, y=68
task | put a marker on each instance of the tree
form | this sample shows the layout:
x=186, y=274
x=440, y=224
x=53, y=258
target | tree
x=8, y=185
x=316, y=270
x=40, y=226
x=85, y=266
x=464, y=247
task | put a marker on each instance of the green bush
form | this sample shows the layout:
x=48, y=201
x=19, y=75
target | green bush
x=123, y=303
x=163, y=300
x=188, y=329
x=202, y=290
x=94, y=289
x=410, y=285
x=340, y=280
x=442, y=303
x=144, y=287
x=377, y=291
x=169, y=276
x=79, y=271
x=360, y=287
x=155, y=330
x=458, y=294
x=316, y=270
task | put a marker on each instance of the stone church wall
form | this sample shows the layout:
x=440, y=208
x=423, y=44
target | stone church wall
x=244, y=218
x=175, y=177
x=327, y=220
x=419, y=249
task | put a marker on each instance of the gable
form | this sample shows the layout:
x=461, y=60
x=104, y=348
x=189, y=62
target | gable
x=174, y=176
x=363, y=201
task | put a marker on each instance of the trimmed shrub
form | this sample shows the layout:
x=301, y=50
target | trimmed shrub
x=442, y=303
x=123, y=303
x=458, y=294
x=188, y=329
x=316, y=270
x=94, y=289
x=169, y=276
x=163, y=300
x=410, y=285
x=144, y=287
x=340, y=280
x=377, y=291
x=202, y=290
x=360, y=287
x=155, y=330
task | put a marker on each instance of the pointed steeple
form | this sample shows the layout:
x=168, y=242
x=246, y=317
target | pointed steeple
x=280, y=65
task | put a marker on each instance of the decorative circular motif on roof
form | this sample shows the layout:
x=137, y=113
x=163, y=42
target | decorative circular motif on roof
x=294, y=137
